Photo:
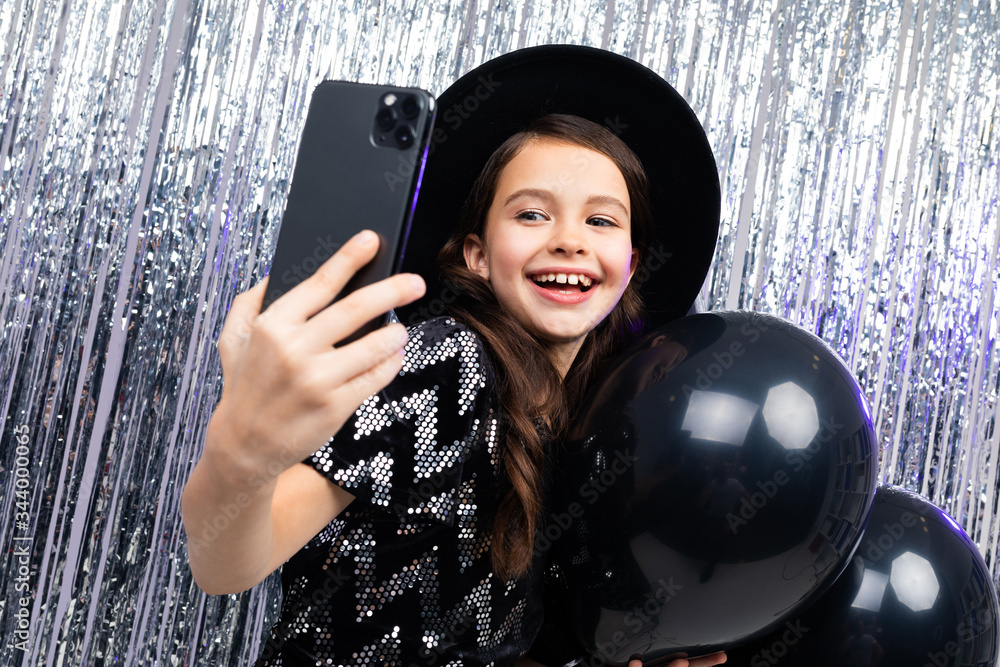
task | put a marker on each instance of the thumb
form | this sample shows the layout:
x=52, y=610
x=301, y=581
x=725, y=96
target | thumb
x=240, y=319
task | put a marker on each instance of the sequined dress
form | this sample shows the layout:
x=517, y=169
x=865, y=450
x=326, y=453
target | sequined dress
x=403, y=576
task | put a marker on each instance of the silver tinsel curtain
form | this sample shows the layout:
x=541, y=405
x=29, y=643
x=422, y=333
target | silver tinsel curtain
x=146, y=147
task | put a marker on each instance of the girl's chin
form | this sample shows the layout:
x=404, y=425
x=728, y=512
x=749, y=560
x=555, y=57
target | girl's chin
x=562, y=336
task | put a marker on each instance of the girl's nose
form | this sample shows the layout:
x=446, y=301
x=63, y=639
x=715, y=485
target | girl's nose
x=566, y=239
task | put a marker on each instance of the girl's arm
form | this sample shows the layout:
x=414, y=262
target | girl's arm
x=242, y=527
x=248, y=505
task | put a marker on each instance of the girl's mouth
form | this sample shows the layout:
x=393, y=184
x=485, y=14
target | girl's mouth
x=563, y=281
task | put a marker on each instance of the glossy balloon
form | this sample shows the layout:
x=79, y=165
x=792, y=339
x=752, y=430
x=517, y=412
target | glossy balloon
x=916, y=594
x=716, y=479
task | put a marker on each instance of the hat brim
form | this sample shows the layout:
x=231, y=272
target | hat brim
x=503, y=96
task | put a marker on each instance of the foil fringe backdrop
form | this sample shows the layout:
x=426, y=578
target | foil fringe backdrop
x=146, y=147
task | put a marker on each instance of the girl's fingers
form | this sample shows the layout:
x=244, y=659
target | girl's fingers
x=317, y=291
x=374, y=379
x=239, y=322
x=346, y=316
x=360, y=356
x=702, y=661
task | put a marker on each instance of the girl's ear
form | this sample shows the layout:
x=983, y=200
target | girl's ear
x=633, y=264
x=475, y=256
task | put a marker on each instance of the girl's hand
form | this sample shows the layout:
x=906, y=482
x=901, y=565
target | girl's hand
x=287, y=389
x=702, y=661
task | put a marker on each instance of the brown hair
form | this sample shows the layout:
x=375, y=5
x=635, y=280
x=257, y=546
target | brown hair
x=532, y=394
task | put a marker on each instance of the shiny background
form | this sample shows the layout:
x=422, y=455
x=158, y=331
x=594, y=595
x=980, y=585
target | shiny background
x=146, y=148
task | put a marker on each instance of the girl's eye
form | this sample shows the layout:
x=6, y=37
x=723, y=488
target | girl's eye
x=602, y=222
x=529, y=215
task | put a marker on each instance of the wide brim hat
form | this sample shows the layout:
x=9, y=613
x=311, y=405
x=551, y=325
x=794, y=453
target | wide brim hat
x=503, y=96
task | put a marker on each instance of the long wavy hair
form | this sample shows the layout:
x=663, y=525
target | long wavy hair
x=533, y=397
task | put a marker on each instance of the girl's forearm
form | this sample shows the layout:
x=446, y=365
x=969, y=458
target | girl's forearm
x=226, y=509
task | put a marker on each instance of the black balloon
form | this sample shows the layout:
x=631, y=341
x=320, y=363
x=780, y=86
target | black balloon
x=715, y=481
x=917, y=594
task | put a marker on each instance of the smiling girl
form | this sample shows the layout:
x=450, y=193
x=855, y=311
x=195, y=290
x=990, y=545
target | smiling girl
x=407, y=536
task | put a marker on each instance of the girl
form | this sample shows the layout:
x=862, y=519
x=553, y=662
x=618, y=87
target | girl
x=417, y=543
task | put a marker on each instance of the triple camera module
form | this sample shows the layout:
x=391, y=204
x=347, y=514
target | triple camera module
x=394, y=121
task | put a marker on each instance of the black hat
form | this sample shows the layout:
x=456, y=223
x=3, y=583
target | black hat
x=503, y=96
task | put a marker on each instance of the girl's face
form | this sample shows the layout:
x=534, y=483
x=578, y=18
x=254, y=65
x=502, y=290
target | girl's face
x=558, y=242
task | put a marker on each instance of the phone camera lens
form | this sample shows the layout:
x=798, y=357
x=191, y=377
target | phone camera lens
x=385, y=119
x=404, y=136
x=410, y=106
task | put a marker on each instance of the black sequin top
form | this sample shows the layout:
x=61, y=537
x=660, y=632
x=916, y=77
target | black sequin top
x=403, y=576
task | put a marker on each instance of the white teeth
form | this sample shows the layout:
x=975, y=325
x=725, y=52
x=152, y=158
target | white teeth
x=564, y=278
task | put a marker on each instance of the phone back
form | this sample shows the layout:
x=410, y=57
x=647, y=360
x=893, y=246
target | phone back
x=353, y=171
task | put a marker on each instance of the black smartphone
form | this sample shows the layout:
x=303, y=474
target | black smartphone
x=359, y=164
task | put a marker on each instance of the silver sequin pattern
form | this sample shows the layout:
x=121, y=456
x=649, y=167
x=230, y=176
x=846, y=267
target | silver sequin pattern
x=412, y=550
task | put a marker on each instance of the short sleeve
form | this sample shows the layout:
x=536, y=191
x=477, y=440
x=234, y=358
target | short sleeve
x=405, y=448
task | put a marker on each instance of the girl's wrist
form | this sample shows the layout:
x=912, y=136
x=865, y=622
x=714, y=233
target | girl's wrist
x=229, y=457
